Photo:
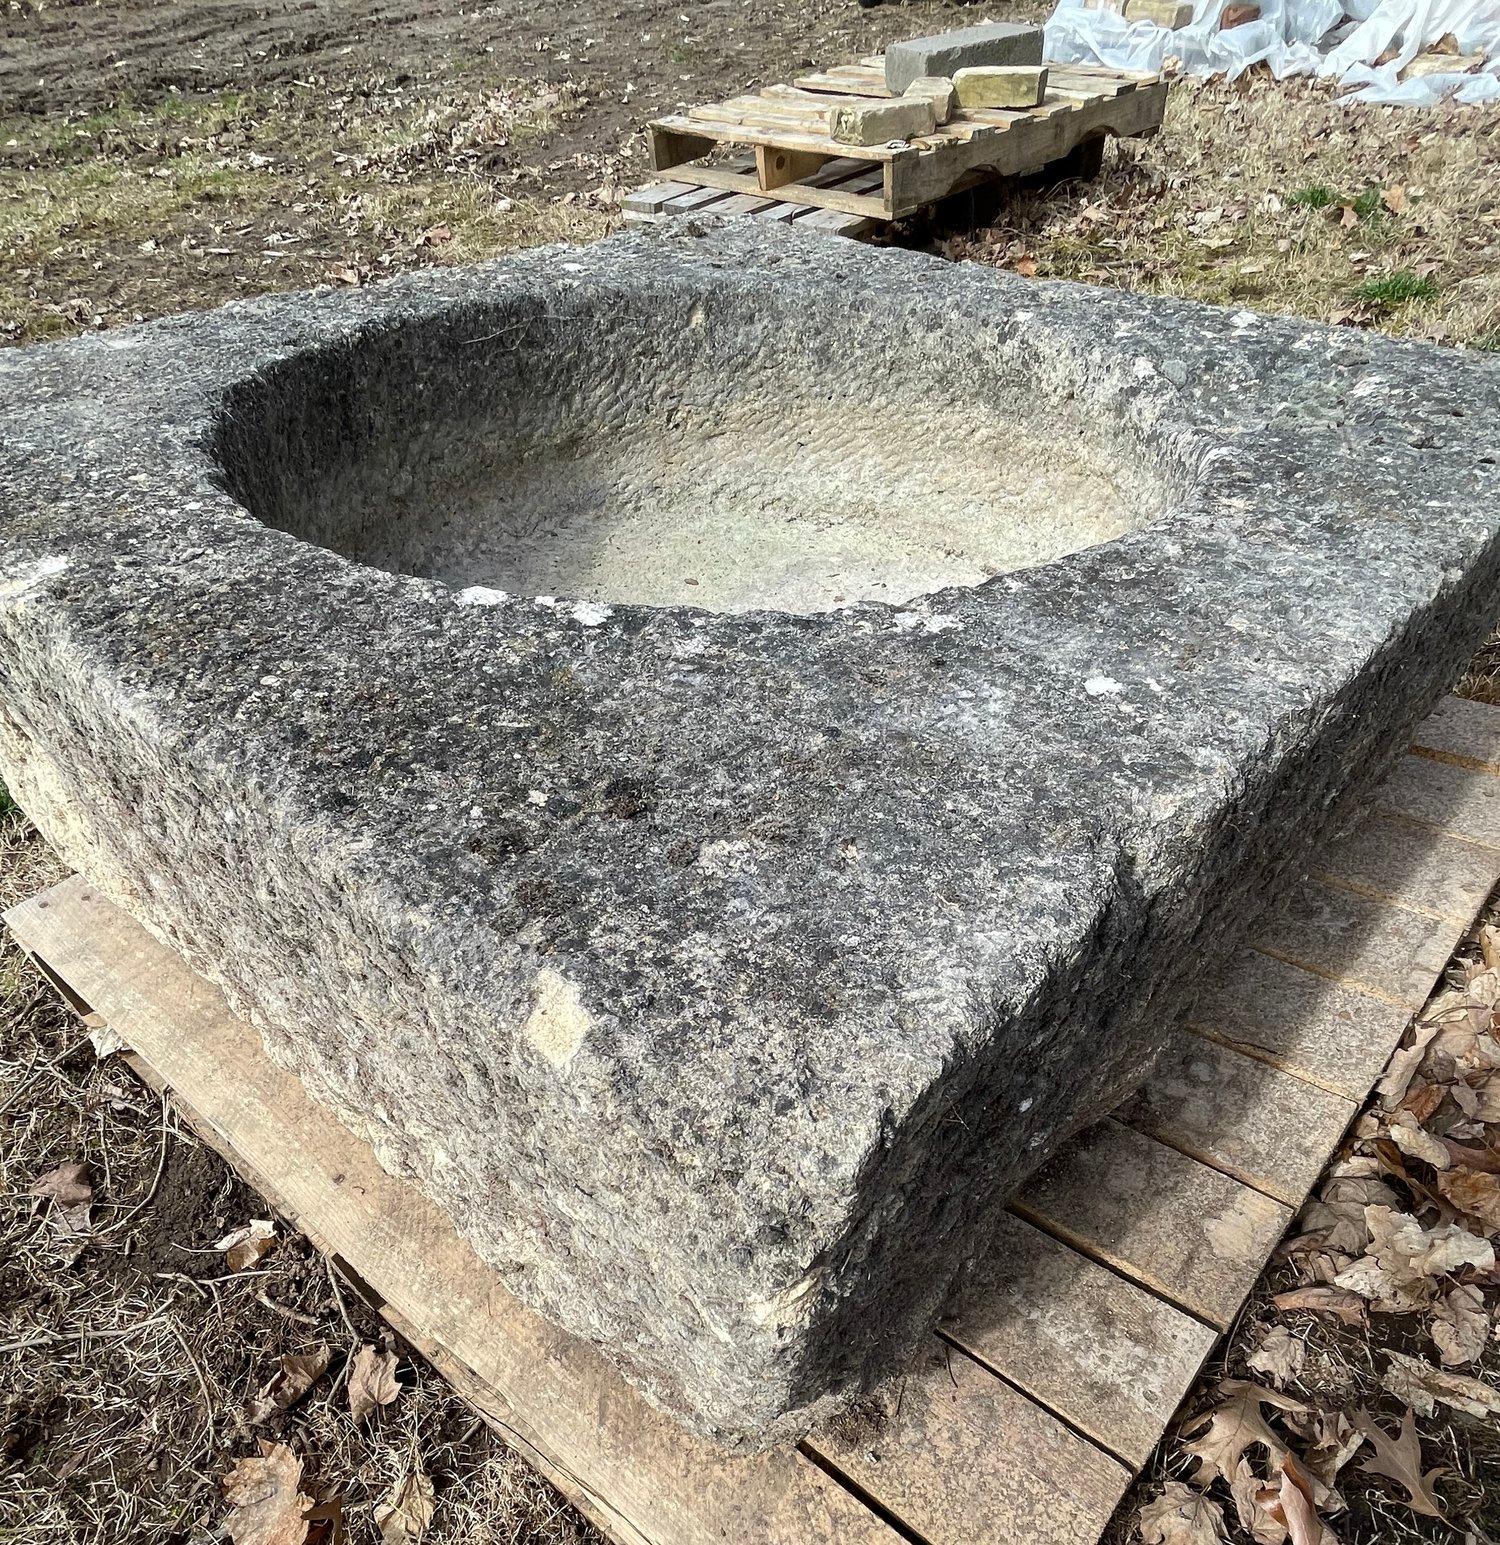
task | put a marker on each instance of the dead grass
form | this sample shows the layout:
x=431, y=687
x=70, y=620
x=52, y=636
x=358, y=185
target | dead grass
x=129, y=213
x=1276, y=197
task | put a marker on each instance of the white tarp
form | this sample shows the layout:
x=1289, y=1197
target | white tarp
x=1337, y=38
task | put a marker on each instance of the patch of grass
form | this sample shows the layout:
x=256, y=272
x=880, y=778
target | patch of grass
x=1396, y=289
x=1367, y=203
x=1489, y=341
x=1316, y=195
x=8, y=806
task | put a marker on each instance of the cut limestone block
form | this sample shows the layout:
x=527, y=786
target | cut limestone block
x=1000, y=85
x=1442, y=64
x=720, y=916
x=938, y=90
x=874, y=123
x=945, y=53
x=1170, y=14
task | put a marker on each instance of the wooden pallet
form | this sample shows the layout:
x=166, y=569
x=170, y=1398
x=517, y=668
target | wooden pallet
x=786, y=130
x=1024, y=1420
x=670, y=200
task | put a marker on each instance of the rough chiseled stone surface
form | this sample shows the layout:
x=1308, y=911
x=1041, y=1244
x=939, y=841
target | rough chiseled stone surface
x=996, y=42
x=722, y=971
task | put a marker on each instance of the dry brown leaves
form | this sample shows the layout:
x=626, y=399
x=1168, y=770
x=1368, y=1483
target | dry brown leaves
x=70, y=1213
x=1409, y=1217
x=67, y=1185
x=1405, y=1224
x=296, y=1373
x=372, y=1381
x=1182, y=1516
x=1400, y=1459
x=266, y=1502
x=405, y=1514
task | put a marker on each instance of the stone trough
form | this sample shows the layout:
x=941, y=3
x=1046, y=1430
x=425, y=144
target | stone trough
x=717, y=751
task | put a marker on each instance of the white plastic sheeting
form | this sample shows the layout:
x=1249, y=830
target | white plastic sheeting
x=1341, y=39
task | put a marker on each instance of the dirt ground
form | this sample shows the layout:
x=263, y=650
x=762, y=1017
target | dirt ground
x=158, y=156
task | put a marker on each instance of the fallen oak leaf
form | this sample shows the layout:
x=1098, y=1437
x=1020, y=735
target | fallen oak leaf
x=404, y=1516
x=372, y=1381
x=1279, y=1356
x=267, y=1504
x=1474, y=1193
x=1418, y=1143
x=1486, y=1160
x=1295, y=1500
x=1422, y=1386
x=1405, y=1259
x=1333, y=1442
x=298, y=1372
x=1400, y=1459
x=1253, y=1501
x=1182, y=1516
x=67, y=1185
x=1235, y=1425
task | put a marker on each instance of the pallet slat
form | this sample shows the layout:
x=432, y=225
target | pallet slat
x=973, y=1487
x=1265, y=1127
x=1388, y=951
x=1388, y=858
x=1326, y=1032
x=1109, y=1357
x=1462, y=732
x=1190, y=1234
x=1461, y=801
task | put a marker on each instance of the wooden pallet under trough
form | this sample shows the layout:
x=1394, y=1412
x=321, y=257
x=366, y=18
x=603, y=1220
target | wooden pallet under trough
x=1024, y=1420
x=796, y=163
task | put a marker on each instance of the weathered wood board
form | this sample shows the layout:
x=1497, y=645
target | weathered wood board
x=1028, y=1413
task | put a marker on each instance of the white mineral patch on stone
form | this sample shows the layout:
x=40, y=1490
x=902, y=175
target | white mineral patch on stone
x=779, y=1307
x=481, y=595
x=591, y=613
x=30, y=576
x=910, y=622
x=1102, y=686
x=558, y=1021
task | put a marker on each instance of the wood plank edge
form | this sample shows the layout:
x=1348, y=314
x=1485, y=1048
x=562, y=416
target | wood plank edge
x=1257, y=1053
x=1461, y=920
x=1411, y=1005
x=1266, y=1185
x=1095, y=1252
x=1456, y=759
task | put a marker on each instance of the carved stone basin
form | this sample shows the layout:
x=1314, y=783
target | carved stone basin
x=716, y=752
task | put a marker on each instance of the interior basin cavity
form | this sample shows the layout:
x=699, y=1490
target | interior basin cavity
x=690, y=456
